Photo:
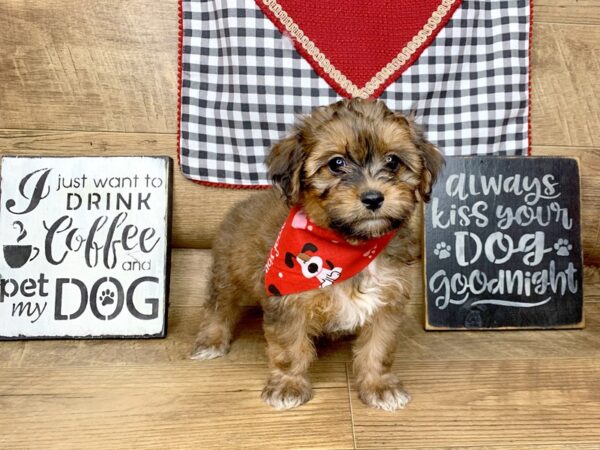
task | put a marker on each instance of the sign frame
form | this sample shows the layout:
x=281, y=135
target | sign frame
x=429, y=326
x=168, y=161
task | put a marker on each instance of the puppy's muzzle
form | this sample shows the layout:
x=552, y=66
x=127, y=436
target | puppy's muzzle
x=372, y=200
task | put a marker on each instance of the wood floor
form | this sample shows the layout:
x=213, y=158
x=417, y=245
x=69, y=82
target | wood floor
x=527, y=389
x=99, y=77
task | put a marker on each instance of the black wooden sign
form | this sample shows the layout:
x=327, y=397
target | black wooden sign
x=503, y=246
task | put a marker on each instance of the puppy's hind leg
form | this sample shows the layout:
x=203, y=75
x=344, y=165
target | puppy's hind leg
x=218, y=318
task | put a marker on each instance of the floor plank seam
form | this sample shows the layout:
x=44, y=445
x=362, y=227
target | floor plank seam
x=547, y=22
x=350, y=404
x=563, y=146
x=58, y=130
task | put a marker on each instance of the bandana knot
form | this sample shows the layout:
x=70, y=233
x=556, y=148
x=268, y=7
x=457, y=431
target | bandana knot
x=306, y=256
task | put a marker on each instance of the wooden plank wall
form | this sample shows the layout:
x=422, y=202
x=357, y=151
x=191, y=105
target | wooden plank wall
x=100, y=77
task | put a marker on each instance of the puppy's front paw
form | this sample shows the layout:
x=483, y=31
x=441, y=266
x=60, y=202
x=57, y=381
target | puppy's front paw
x=210, y=344
x=387, y=395
x=201, y=353
x=286, y=392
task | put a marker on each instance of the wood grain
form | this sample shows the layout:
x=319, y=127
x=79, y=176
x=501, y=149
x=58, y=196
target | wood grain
x=88, y=65
x=458, y=403
x=566, y=86
x=208, y=377
x=164, y=407
x=567, y=11
x=517, y=446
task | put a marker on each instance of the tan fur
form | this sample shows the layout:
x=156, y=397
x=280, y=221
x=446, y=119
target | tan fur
x=369, y=304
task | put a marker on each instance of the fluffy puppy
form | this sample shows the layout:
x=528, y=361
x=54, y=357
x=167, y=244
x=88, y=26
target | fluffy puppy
x=327, y=164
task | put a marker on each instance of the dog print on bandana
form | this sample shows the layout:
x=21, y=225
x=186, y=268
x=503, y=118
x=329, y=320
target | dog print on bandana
x=306, y=256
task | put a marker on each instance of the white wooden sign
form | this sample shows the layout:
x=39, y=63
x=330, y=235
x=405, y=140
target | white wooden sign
x=84, y=246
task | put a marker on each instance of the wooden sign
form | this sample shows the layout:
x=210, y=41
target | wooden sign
x=84, y=246
x=503, y=246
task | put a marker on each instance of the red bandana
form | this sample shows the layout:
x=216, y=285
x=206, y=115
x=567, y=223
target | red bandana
x=306, y=256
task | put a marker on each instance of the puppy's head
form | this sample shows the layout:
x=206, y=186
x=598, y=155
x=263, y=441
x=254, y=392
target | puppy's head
x=356, y=167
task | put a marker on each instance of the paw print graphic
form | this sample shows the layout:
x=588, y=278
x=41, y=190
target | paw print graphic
x=562, y=247
x=442, y=250
x=107, y=297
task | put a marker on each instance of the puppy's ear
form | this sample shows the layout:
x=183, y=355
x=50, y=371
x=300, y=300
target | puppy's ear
x=285, y=167
x=432, y=158
x=433, y=163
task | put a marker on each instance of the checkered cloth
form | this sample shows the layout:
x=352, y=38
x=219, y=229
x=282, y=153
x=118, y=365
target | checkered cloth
x=243, y=83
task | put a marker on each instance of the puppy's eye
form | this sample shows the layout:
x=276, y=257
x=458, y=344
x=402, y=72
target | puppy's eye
x=392, y=162
x=337, y=164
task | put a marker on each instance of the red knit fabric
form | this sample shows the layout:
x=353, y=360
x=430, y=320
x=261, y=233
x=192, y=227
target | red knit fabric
x=306, y=256
x=358, y=37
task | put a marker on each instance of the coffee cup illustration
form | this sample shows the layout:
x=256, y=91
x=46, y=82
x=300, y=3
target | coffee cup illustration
x=17, y=255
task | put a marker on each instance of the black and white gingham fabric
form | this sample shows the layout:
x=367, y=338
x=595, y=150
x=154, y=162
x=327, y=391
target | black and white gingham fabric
x=243, y=84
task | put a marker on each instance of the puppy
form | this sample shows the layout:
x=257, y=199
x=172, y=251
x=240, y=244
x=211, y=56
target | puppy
x=360, y=170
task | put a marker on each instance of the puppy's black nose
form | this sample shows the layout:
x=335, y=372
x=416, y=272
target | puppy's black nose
x=372, y=199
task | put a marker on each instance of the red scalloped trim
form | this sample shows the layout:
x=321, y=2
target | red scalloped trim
x=334, y=84
x=179, y=76
x=529, y=144
x=231, y=186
